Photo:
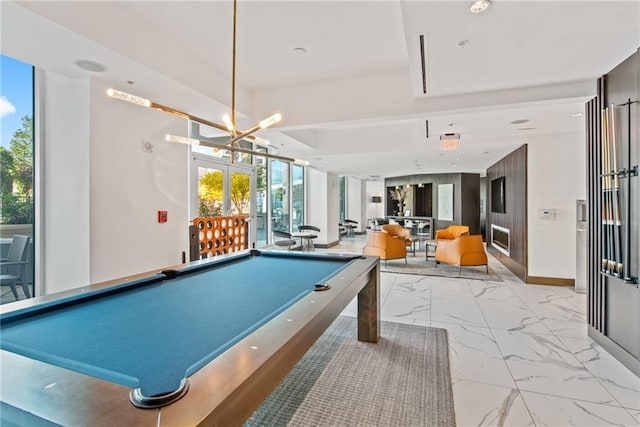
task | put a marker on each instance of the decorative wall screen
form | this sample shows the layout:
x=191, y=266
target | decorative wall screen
x=221, y=234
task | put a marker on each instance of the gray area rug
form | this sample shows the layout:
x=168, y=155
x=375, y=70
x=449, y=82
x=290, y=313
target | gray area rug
x=418, y=265
x=403, y=380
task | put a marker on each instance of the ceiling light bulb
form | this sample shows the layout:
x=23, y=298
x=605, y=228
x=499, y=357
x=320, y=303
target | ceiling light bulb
x=181, y=140
x=479, y=6
x=301, y=162
x=228, y=123
x=123, y=96
x=269, y=121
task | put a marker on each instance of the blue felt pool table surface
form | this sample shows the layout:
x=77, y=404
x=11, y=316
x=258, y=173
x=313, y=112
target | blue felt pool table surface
x=152, y=333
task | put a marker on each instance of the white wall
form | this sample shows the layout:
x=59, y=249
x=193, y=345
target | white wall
x=355, y=203
x=322, y=210
x=316, y=190
x=556, y=178
x=129, y=185
x=375, y=188
x=333, y=206
x=65, y=255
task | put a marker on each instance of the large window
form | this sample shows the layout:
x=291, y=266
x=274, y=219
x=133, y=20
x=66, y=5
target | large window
x=280, y=196
x=262, y=199
x=343, y=198
x=16, y=178
x=297, y=198
x=279, y=186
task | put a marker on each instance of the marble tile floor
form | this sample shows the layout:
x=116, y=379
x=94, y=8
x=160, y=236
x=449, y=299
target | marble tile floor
x=520, y=354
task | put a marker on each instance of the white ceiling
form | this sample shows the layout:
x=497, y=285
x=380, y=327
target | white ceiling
x=535, y=60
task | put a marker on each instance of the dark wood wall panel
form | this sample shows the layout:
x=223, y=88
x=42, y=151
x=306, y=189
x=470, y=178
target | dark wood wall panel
x=595, y=284
x=423, y=203
x=471, y=201
x=514, y=168
x=466, y=203
x=613, y=307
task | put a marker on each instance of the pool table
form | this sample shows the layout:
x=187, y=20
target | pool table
x=197, y=344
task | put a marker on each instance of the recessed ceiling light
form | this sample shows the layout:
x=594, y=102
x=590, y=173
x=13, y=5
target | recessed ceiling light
x=92, y=66
x=299, y=50
x=452, y=124
x=485, y=152
x=479, y=6
x=578, y=114
x=526, y=128
x=453, y=165
x=519, y=121
x=463, y=43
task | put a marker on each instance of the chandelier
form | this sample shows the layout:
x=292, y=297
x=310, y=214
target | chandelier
x=229, y=126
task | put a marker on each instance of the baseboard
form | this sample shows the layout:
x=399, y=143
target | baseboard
x=519, y=270
x=326, y=245
x=552, y=281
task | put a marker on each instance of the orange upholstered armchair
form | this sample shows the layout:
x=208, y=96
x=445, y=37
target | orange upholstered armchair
x=465, y=250
x=382, y=244
x=398, y=231
x=451, y=232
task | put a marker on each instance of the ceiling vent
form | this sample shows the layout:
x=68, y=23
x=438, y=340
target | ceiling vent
x=422, y=50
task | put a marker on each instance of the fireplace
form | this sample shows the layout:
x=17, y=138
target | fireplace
x=500, y=238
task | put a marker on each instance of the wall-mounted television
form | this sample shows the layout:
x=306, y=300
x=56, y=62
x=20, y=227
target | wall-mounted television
x=498, y=194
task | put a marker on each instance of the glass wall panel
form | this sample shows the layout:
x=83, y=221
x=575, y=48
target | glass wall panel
x=210, y=192
x=207, y=133
x=16, y=179
x=343, y=198
x=262, y=200
x=240, y=193
x=280, y=206
x=244, y=157
x=297, y=198
x=216, y=136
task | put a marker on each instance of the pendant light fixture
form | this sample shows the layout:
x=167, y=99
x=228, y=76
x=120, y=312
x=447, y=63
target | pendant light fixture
x=235, y=135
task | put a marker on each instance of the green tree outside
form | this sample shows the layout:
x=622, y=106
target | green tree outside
x=16, y=177
x=211, y=192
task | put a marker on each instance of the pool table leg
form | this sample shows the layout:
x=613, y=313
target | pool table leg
x=369, y=308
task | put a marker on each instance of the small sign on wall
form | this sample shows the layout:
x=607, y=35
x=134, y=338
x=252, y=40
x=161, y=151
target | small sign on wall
x=547, y=214
x=162, y=216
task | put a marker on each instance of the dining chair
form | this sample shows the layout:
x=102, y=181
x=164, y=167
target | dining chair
x=13, y=269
